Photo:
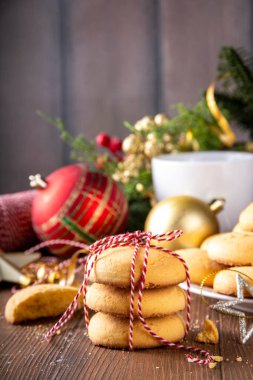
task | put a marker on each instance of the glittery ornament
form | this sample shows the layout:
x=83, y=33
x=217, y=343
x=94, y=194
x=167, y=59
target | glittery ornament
x=161, y=118
x=77, y=204
x=152, y=149
x=196, y=218
x=131, y=143
x=225, y=307
x=166, y=137
x=151, y=137
x=145, y=124
x=139, y=187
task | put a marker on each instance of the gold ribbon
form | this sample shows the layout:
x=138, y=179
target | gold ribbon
x=226, y=135
x=62, y=273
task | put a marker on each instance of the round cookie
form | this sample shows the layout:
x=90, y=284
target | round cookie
x=199, y=264
x=237, y=228
x=230, y=248
x=246, y=218
x=155, y=302
x=111, y=331
x=114, y=264
x=225, y=280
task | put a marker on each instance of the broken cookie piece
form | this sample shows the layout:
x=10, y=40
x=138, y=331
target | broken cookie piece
x=48, y=300
x=209, y=334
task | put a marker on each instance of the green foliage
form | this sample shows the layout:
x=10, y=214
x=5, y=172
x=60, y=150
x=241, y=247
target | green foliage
x=144, y=179
x=82, y=150
x=138, y=211
x=235, y=70
x=197, y=120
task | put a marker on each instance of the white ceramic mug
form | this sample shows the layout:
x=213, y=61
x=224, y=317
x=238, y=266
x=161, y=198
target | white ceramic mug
x=207, y=175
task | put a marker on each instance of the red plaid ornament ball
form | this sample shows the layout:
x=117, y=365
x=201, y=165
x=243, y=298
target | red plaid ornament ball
x=77, y=204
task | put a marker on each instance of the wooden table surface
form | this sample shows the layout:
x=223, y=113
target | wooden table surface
x=71, y=355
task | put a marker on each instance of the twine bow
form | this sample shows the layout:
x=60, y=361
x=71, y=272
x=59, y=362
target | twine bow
x=135, y=239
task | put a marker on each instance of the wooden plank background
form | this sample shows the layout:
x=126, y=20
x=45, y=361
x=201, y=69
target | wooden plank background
x=97, y=63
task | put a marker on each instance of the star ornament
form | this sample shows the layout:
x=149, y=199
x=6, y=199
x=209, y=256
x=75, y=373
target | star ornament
x=226, y=307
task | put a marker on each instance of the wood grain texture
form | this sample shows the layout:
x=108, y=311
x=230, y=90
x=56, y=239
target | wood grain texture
x=72, y=356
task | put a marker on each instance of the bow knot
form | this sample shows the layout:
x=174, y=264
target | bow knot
x=139, y=238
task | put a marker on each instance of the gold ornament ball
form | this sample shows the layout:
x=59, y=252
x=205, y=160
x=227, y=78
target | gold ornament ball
x=193, y=216
x=131, y=143
x=151, y=137
x=161, y=118
x=139, y=187
x=152, y=149
x=166, y=137
x=145, y=124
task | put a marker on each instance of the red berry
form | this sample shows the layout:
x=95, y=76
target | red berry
x=103, y=139
x=115, y=144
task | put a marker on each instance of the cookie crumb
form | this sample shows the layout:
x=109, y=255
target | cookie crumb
x=58, y=332
x=239, y=359
x=209, y=334
x=212, y=365
x=217, y=358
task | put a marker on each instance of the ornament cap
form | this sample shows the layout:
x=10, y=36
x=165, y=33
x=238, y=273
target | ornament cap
x=217, y=205
x=37, y=182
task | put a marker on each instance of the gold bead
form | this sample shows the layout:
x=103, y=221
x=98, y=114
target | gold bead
x=151, y=149
x=126, y=173
x=145, y=124
x=139, y=187
x=151, y=136
x=116, y=177
x=166, y=137
x=161, y=118
x=131, y=143
x=134, y=160
x=168, y=147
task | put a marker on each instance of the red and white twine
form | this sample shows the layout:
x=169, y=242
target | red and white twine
x=136, y=239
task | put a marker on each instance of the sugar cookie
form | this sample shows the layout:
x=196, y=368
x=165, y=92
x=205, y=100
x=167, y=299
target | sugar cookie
x=199, y=264
x=155, y=302
x=238, y=228
x=111, y=331
x=225, y=280
x=230, y=248
x=114, y=264
x=246, y=218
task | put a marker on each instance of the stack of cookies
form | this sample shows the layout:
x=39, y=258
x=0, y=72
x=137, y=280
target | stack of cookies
x=109, y=297
x=231, y=250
